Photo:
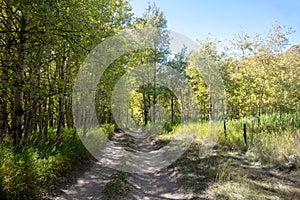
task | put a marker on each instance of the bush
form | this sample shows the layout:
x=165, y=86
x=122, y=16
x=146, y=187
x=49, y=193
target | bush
x=44, y=162
x=169, y=126
x=108, y=129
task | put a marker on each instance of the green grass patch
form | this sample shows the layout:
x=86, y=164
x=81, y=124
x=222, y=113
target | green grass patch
x=44, y=162
x=118, y=187
x=272, y=138
x=230, y=172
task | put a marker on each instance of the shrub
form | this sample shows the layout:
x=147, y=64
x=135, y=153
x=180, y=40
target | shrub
x=108, y=129
x=42, y=163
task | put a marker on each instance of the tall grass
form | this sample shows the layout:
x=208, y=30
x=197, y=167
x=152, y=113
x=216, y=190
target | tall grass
x=233, y=173
x=44, y=162
x=272, y=137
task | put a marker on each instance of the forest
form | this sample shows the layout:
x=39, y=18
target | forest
x=44, y=44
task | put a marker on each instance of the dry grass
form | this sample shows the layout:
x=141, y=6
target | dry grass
x=234, y=175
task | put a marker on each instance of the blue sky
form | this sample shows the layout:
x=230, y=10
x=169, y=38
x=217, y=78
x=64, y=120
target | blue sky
x=223, y=18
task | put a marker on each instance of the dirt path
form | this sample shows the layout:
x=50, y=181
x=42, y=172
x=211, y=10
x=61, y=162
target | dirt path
x=165, y=184
x=88, y=185
x=162, y=184
x=220, y=175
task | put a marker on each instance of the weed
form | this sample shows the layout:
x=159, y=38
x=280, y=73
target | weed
x=118, y=186
x=43, y=163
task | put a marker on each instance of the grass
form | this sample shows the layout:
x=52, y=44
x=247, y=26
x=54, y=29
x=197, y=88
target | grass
x=118, y=186
x=272, y=140
x=44, y=162
x=244, y=178
x=222, y=172
x=230, y=172
x=95, y=137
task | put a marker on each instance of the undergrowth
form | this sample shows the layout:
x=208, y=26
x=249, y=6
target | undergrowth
x=45, y=161
x=232, y=171
x=118, y=186
x=272, y=137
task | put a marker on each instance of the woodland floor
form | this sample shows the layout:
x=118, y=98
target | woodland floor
x=220, y=175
